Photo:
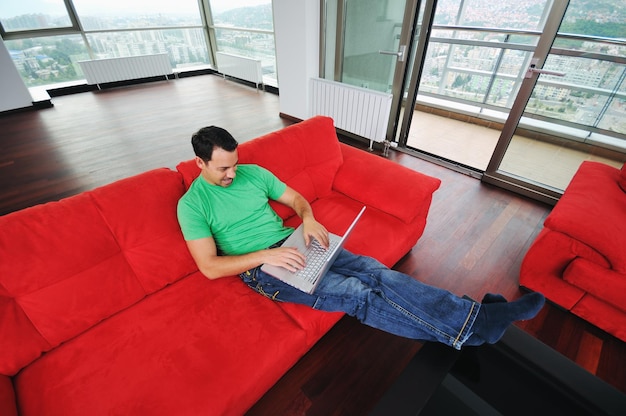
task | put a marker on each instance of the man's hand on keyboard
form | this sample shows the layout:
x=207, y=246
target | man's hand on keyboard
x=313, y=229
x=288, y=257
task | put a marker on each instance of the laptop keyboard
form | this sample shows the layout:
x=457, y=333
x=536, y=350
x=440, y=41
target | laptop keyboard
x=316, y=256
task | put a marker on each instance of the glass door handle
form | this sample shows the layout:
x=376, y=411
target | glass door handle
x=399, y=54
x=533, y=70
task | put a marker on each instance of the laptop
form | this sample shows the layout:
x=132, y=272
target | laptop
x=318, y=259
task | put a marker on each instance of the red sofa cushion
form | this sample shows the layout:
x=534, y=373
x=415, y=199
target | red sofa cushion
x=622, y=178
x=602, y=314
x=7, y=397
x=543, y=272
x=57, y=263
x=189, y=171
x=145, y=226
x=376, y=234
x=305, y=155
x=197, y=347
x=371, y=180
x=593, y=211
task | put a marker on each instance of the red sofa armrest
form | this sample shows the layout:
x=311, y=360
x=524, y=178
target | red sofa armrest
x=599, y=281
x=385, y=185
x=8, y=406
x=547, y=260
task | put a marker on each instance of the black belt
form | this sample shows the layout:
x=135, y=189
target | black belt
x=278, y=243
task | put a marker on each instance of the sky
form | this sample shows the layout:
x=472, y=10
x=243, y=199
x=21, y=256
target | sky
x=9, y=8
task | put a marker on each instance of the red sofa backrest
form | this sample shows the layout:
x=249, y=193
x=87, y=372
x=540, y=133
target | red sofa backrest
x=67, y=265
x=306, y=156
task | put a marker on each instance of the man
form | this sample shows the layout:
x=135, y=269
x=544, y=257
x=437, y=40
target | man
x=230, y=229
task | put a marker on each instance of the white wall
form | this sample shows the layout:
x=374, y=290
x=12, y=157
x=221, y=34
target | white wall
x=296, y=28
x=13, y=92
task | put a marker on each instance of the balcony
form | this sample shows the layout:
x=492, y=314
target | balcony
x=471, y=78
x=470, y=142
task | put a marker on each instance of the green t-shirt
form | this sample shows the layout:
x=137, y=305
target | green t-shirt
x=238, y=217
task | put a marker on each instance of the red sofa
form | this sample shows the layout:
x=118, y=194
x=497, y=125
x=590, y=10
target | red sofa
x=103, y=311
x=578, y=260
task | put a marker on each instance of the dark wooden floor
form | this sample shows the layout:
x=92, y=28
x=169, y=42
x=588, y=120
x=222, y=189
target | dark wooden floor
x=93, y=138
x=474, y=242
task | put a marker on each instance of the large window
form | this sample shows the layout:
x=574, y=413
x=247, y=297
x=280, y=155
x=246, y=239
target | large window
x=246, y=31
x=34, y=14
x=46, y=39
x=49, y=59
x=479, y=52
x=134, y=14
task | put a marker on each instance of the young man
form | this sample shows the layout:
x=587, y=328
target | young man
x=231, y=229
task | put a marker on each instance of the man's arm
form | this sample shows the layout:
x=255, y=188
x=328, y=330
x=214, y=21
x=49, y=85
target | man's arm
x=213, y=266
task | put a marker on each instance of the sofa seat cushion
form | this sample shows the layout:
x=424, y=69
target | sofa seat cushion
x=622, y=178
x=197, y=347
x=375, y=235
x=593, y=211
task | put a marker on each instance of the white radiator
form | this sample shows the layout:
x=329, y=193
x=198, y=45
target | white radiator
x=99, y=71
x=356, y=110
x=241, y=67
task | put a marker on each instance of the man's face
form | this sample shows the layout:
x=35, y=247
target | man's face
x=221, y=169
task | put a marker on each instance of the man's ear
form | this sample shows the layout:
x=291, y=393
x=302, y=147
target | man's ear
x=200, y=163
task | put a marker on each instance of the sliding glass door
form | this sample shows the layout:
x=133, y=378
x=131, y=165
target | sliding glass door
x=516, y=93
x=366, y=44
x=570, y=108
x=475, y=58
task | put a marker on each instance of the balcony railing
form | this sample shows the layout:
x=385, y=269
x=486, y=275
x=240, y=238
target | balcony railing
x=482, y=69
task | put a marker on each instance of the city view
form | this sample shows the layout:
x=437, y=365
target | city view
x=50, y=60
x=592, y=91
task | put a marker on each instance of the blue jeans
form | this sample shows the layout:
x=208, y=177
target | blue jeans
x=379, y=297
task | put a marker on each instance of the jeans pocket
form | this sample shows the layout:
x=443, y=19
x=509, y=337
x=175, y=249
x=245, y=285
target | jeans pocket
x=249, y=277
x=274, y=289
x=267, y=291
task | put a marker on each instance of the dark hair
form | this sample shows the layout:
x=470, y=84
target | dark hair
x=208, y=138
